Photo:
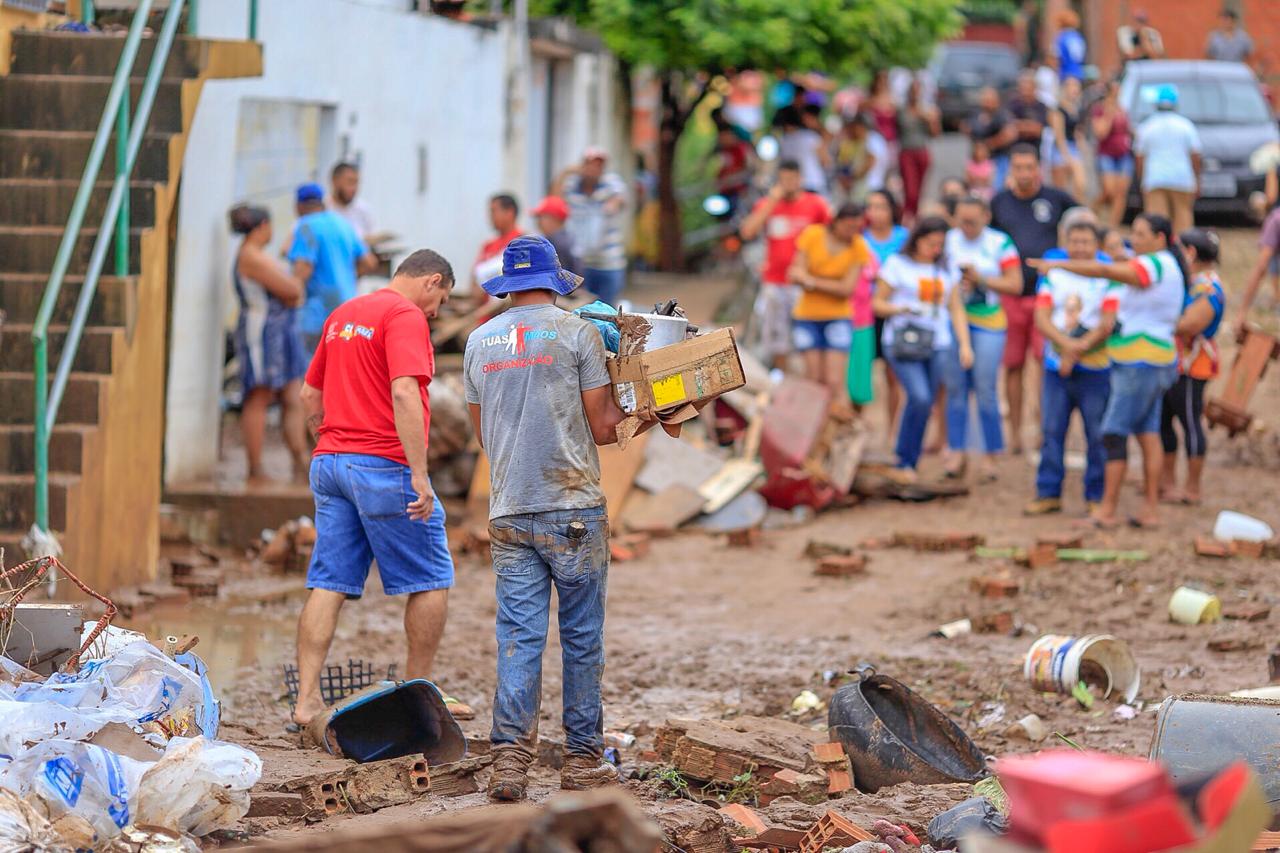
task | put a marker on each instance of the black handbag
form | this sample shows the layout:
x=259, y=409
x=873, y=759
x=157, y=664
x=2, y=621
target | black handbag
x=912, y=341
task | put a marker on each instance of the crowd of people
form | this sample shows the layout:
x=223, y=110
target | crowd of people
x=1028, y=285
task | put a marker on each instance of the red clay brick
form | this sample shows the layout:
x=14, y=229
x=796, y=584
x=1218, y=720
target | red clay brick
x=841, y=567
x=1207, y=546
x=995, y=587
x=1250, y=611
x=1042, y=555
x=994, y=623
x=745, y=816
x=839, y=781
x=1245, y=548
x=825, y=753
x=749, y=538
x=1061, y=539
x=633, y=546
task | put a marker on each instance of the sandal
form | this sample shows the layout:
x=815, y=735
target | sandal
x=459, y=710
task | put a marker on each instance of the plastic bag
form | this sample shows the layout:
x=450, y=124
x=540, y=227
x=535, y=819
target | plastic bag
x=198, y=786
x=608, y=331
x=77, y=779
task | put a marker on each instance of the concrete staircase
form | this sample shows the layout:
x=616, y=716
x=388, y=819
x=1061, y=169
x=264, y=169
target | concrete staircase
x=105, y=450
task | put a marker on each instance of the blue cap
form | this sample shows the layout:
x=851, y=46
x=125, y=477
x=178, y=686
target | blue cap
x=310, y=192
x=1167, y=93
x=530, y=262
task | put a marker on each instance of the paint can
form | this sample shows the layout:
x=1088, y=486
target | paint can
x=1055, y=663
x=1191, y=606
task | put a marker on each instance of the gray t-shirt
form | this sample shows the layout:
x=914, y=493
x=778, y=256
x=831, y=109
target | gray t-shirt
x=1231, y=46
x=527, y=369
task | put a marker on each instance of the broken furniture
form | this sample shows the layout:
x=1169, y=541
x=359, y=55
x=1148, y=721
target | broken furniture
x=1231, y=410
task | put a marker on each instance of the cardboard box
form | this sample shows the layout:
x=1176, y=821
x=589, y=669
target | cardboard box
x=670, y=379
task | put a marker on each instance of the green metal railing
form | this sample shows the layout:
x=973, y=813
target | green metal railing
x=115, y=226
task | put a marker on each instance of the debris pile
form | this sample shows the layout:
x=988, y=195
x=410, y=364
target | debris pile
x=120, y=741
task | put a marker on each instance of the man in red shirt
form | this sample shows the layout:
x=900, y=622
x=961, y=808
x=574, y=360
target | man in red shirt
x=781, y=215
x=504, y=210
x=367, y=406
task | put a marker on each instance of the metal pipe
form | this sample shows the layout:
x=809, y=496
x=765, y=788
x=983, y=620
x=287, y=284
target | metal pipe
x=123, y=168
x=87, y=16
x=40, y=329
x=121, y=185
x=253, y=20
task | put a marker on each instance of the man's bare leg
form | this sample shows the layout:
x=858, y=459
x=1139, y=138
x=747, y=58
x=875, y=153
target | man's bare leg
x=424, y=617
x=316, y=625
x=1013, y=396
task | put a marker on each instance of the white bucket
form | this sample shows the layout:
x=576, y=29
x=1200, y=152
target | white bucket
x=1053, y=664
x=1191, y=606
x=664, y=331
x=1235, y=525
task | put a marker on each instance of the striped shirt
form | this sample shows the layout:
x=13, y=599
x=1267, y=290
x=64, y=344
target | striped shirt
x=596, y=234
x=1147, y=314
x=990, y=255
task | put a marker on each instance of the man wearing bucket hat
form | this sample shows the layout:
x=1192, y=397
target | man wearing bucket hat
x=1167, y=161
x=541, y=400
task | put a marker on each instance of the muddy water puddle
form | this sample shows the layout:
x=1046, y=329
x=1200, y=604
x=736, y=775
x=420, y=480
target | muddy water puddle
x=234, y=633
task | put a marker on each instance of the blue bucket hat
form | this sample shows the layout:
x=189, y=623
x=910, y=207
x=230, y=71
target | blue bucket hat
x=310, y=192
x=530, y=263
x=1167, y=95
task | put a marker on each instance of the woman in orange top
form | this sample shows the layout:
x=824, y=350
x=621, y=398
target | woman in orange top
x=827, y=264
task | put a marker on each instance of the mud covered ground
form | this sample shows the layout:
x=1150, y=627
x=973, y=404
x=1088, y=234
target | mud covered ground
x=698, y=629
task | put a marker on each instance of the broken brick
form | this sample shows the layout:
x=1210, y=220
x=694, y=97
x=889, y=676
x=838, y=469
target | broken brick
x=944, y=541
x=749, y=538
x=833, y=830
x=827, y=753
x=1249, y=611
x=276, y=804
x=164, y=593
x=1041, y=555
x=632, y=546
x=1000, y=622
x=1234, y=644
x=841, y=566
x=1247, y=548
x=744, y=816
x=201, y=583
x=839, y=781
x=719, y=750
x=995, y=587
x=816, y=550
x=1061, y=539
x=1207, y=546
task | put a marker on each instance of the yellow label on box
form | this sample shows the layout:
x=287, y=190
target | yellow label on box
x=669, y=390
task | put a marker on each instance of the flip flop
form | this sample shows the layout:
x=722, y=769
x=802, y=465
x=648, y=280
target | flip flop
x=459, y=710
x=292, y=728
x=1139, y=524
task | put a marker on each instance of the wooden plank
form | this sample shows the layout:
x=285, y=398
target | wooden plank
x=618, y=470
x=729, y=482
x=663, y=512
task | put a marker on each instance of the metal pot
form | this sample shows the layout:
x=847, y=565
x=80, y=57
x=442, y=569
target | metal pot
x=892, y=735
x=664, y=331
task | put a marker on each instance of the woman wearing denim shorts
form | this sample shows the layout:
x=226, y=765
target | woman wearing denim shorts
x=1147, y=295
x=1115, y=155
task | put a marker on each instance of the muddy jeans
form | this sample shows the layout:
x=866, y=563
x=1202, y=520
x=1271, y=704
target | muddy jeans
x=530, y=553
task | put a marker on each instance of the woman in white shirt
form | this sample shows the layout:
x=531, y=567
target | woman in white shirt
x=918, y=295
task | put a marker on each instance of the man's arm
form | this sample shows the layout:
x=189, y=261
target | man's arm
x=313, y=408
x=1265, y=254
x=406, y=401
x=302, y=270
x=367, y=262
x=754, y=223
x=474, y=410
x=603, y=414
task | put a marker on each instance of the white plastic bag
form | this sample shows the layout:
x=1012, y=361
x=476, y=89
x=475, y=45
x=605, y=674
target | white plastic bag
x=77, y=779
x=198, y=786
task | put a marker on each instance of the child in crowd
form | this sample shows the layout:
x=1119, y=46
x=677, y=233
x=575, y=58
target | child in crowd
x=980, y=171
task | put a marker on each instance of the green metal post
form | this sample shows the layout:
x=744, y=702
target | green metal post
x=42, y=434
x=87, y=15
x=122, y=168
x=193, y=12
x=253, y=20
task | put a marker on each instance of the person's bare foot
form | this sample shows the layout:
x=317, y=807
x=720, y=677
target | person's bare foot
x=259, y=481
x=306, y=711
x=1172, y=496
x=1191, y=498
x=1098, y=521
x=1146, y=520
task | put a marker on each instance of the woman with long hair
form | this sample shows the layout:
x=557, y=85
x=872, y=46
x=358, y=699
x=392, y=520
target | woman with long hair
x=918, y=122
x=918, y=295
x=268, y=341
x=1114, y=135
x=1198, y=362
x=827, y=265
x=1066, y=169
x=1146, y=296
x=885, y=236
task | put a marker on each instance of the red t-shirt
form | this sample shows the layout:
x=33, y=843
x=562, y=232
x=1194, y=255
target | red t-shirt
x=783, y=226
x=368, y=342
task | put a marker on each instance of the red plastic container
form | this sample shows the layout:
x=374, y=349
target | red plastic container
x=1065, y=785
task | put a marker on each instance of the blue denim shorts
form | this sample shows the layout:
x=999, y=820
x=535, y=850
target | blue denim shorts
x=822, y=335
x=362, y=516
x=1136, y=394
x=1116, y=165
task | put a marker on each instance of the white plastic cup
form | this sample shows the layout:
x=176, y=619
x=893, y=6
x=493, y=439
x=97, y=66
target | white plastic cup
x=1235, y=525
x=1191, y=606
x=1053, y=664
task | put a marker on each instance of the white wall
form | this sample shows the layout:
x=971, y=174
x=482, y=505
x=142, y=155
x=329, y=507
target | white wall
x=396, y=81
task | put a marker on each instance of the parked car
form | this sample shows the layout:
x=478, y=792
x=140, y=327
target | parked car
x=961, y=69
x=1225, y=102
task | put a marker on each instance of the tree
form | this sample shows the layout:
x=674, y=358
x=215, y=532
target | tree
x=689, y=42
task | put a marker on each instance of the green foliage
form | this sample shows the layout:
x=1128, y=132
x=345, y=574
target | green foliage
x=677, y=784
x=834, y=36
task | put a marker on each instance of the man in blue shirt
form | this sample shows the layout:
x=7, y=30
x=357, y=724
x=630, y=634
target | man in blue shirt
x=327, y=254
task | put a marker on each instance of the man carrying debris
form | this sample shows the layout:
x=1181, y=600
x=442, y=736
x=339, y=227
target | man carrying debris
x=367, y=406
x=541, y=400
